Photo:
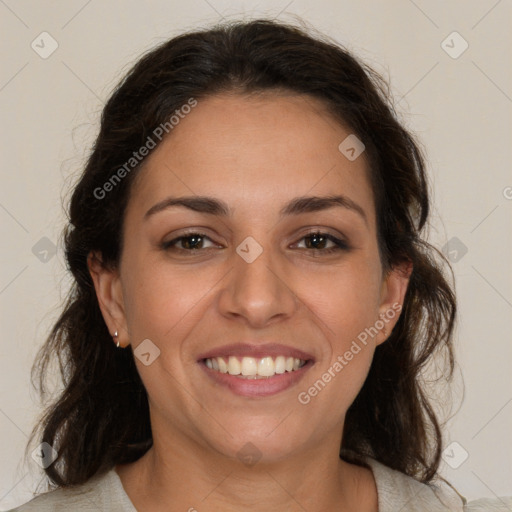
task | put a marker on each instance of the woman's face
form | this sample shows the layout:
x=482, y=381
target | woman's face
x=251, y=285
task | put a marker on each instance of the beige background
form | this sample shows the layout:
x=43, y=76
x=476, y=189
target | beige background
x=459, y=107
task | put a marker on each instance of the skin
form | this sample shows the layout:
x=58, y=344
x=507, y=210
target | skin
x=255, y=153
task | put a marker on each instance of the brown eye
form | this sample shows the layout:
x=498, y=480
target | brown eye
x=190, y=242
x=316, y=241
x=324, y=242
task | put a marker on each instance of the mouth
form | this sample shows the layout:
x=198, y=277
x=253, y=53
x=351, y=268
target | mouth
x=254, y=368
x=256, y=371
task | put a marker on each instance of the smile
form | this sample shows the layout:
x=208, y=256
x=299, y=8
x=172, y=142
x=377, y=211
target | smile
x=254, y=368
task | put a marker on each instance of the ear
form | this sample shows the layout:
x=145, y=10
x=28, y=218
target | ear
x=394, y=287
x=107, y=284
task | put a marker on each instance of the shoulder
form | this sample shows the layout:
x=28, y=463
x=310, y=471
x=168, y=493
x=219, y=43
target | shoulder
x=102, y=492
x=397, y=491
x=501, y=504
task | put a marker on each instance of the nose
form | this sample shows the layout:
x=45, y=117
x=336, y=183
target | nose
x=258, y=292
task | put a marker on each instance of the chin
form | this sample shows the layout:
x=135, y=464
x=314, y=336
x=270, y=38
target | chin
x=260, y=441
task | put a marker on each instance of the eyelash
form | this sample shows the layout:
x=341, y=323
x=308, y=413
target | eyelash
x=340, y=245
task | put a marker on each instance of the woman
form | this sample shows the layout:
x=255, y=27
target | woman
x=253, y=301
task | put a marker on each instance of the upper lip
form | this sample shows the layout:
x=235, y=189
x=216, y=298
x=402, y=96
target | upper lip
x=256, y=351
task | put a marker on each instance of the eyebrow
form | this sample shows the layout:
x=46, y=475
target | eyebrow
x=297, y=206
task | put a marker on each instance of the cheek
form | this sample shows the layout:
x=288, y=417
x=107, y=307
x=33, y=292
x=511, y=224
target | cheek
x=336, y=380
x=158, y=297
x=346, y=298
x=347, y=302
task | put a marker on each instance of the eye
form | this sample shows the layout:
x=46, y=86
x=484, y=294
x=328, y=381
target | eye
x=323, y=242
x=189, y=242
x=316, y=242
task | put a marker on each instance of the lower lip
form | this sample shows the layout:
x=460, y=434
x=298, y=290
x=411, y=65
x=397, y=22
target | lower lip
x=257, y=387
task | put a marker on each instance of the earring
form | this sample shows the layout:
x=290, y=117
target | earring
x=115, y=336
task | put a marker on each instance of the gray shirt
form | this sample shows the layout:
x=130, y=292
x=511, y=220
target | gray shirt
x=396, y=492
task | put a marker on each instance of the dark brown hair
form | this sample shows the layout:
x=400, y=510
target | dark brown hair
x=101, y=418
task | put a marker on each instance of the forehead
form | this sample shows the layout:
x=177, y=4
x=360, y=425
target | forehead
x=253, y=152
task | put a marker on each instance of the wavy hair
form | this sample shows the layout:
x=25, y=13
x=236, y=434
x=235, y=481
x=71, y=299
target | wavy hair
x=101, y=416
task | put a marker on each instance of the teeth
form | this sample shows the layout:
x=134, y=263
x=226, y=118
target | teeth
x=249, y=366
x=280, y=364
x=266, y=367
x=233, y=366
x=223, y=366
x=252, y=368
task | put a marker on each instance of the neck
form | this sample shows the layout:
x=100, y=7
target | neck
x=185, y=476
